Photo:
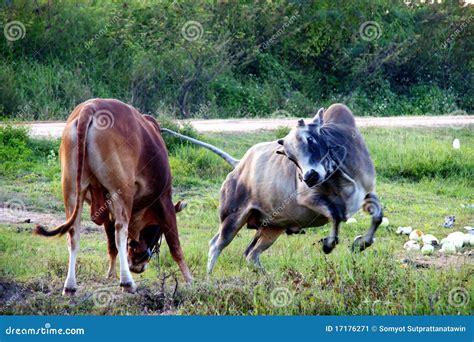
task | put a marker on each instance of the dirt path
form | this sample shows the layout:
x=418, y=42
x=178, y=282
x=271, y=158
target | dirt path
x=54, y=129
x=9, y=216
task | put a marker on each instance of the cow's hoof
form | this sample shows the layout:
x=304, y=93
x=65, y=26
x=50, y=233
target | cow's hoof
x=360, y=244
x=128, y=287
x=111, y=275
x=69, y=291
x=329, y=243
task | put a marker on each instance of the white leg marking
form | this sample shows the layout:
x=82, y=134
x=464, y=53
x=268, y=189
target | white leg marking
x=121, y=235
x=70, y=284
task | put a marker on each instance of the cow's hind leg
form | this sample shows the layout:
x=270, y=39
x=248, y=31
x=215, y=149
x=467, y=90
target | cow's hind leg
x=373, y=207
x=263, y=239
x=74, y=234
x=109, y=227
x=229, y=228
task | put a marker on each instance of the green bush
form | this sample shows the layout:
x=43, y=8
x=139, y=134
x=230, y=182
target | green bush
x=250, y=59
x=21, y=155
x=14, y=148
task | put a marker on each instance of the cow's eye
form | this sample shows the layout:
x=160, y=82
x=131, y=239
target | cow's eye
x=310, y=140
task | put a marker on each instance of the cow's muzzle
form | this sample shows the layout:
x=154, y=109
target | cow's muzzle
x=311, y=178
x=138, y=268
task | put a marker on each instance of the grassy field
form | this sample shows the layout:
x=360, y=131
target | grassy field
x=421, y=179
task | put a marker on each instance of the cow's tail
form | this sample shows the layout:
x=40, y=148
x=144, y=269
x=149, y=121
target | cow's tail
x=84, y=121
x=227, y=157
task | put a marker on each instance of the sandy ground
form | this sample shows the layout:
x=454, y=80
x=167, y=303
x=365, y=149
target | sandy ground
x=54, y=129
x=8, y=215
x=50, y=220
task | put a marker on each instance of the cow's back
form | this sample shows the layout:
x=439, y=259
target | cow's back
x=340, y=128
x=119, y=139
x=339, y=114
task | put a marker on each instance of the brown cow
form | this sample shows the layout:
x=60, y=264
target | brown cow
x=114, y=157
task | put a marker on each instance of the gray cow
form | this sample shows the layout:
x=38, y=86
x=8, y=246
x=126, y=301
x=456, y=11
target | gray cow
x=320, y=172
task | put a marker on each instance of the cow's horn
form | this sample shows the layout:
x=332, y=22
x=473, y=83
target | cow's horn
x=318, y=118
x=301, y=122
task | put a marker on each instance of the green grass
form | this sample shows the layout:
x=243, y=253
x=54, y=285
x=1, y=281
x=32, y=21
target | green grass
x=421, y=180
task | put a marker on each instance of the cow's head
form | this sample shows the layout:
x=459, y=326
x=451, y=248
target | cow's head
x=141, y=251
x=307, y=147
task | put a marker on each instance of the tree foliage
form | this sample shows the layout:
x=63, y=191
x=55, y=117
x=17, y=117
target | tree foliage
x=235, y=59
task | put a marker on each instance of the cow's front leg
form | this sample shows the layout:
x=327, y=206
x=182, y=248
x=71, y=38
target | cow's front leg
x=374, y=208
x=337, y=214
x=330, y=242
x=121, y=237
x=109, y=227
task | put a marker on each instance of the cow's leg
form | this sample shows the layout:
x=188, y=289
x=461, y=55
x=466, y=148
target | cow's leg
x=373, y=207
x=330, y=242
x=337, y=214
x=170, y=230
x=263, y=239
x=70, y=285
x=122, y=212
x=109, y=227
x=228, y=229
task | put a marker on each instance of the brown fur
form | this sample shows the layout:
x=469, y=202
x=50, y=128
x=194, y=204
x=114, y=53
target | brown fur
x=127, y=160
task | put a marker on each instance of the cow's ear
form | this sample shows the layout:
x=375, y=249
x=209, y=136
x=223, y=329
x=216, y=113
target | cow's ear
x=180, y=206
x=281, y=141
x=134, y=244
x=318, y=118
